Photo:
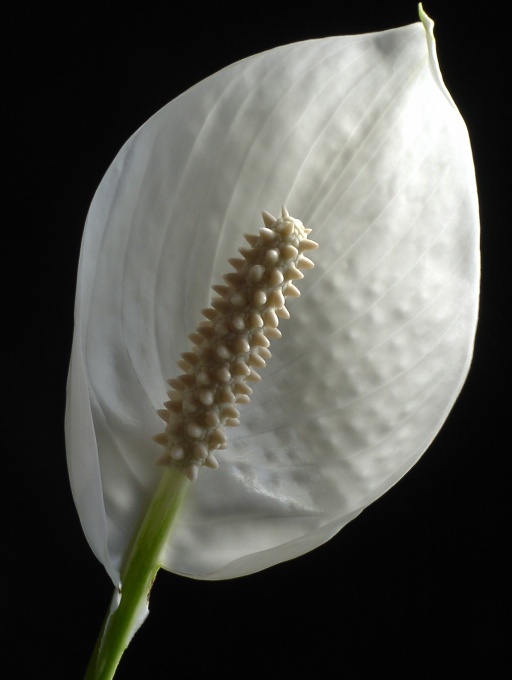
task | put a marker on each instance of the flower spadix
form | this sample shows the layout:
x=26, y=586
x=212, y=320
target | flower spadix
x=232, y=342
x=358, y=137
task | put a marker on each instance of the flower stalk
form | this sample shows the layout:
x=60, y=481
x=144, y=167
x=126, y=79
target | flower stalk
x=142, y=565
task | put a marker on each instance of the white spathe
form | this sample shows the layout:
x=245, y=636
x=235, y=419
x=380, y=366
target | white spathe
x=359, y=138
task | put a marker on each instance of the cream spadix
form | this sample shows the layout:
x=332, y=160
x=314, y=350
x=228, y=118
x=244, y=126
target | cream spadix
x=232, y=343
x=358, y=137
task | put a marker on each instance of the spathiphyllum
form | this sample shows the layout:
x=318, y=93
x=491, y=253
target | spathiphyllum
x=215, y=448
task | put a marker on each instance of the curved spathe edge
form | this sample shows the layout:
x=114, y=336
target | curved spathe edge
x=83, y=468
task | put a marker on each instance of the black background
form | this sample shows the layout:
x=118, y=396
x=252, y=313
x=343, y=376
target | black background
x=417, y=586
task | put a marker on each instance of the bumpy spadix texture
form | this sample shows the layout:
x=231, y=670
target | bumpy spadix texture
x=232, y=343
x=358, y=137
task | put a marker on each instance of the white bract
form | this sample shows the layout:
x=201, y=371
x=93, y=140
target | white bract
x=360, y=139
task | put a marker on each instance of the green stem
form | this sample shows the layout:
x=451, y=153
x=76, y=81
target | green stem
x=144, y=560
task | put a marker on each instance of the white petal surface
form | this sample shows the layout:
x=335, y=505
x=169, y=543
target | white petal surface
x=359, y=138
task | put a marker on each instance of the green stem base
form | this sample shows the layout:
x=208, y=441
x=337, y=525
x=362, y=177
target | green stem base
x=137, y=578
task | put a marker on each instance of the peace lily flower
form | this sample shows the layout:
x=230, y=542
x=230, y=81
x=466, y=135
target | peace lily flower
x=359, y=138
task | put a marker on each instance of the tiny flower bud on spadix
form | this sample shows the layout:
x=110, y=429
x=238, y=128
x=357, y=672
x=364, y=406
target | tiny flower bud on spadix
x=231, y=342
